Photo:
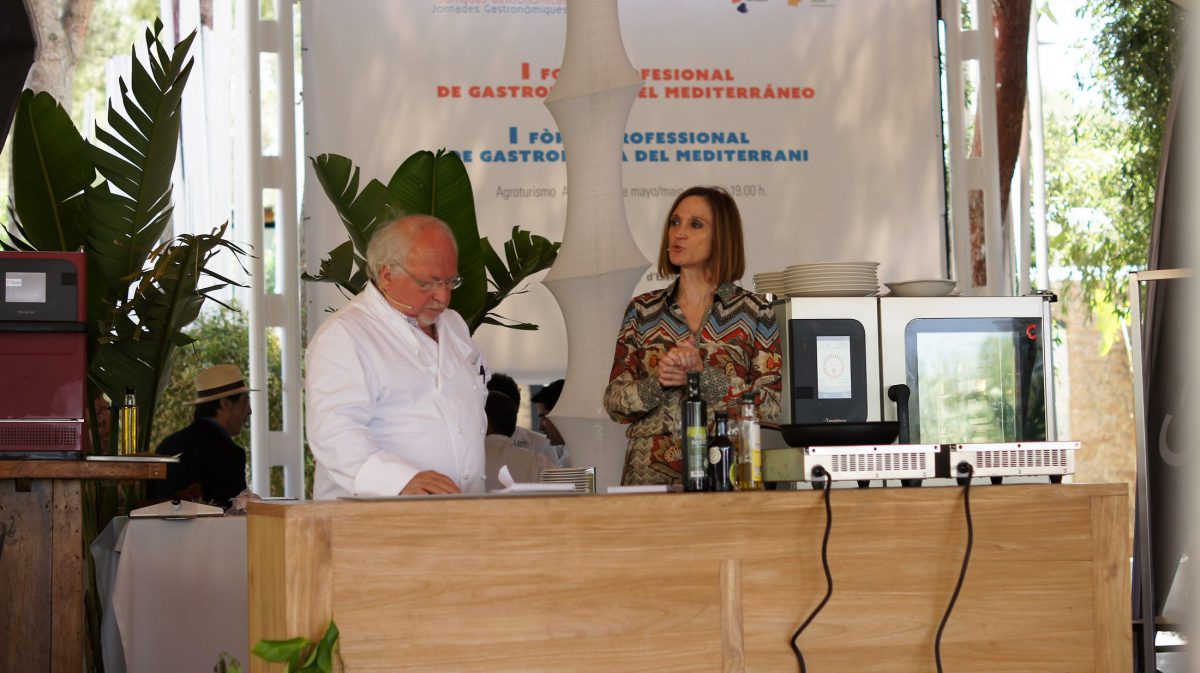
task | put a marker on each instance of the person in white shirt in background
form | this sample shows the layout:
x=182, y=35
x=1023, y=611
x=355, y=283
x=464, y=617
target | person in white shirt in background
x=395, y=386
x=524, y=465
x=544, y=400
x=523, y=438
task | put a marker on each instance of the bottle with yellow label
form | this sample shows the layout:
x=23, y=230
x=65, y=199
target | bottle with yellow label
x=129, y=424
x=694, y=442
x=749, y=445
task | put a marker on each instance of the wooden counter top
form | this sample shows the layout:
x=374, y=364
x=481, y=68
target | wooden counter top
x=80, y=469
x=684, y=583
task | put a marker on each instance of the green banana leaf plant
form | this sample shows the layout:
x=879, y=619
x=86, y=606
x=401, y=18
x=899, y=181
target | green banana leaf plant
x=431, y=184
x=138, y=347
x=113, y=201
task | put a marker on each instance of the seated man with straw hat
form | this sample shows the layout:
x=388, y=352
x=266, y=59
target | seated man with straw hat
x=212, y=467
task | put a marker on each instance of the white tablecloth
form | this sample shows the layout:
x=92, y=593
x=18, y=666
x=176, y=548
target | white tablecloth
x=174, y=592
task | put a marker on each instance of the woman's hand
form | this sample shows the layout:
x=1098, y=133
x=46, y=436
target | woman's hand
x=674, y=366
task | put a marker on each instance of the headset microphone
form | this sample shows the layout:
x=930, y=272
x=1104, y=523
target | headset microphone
x=399, y=304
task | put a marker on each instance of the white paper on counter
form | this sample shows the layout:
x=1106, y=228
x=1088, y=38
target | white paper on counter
x=510, y=486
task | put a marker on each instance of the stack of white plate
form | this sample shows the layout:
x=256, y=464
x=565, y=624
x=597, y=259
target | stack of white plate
x=832, y=279
x=769, y=281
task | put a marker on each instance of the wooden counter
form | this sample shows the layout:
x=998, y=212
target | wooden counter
x=701, y=582
x=41, y=559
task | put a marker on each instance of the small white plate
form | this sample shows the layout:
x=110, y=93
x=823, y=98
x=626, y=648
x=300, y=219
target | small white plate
x=931, y=287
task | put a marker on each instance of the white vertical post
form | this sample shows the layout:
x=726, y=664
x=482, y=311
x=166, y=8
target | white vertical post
x=1020, y=209
x=248, y=219
x=980, y=173
x=281, y=308
x=1037, y=156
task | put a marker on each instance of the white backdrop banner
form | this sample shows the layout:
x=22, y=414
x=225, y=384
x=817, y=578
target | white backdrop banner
x=821, y=117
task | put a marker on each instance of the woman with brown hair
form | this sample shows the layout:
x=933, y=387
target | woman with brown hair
x=701, y=322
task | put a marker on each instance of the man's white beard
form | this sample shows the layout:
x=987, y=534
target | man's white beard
x=427, y=320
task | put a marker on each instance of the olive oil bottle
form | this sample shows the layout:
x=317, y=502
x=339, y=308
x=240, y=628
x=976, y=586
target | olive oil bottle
x=694, y=442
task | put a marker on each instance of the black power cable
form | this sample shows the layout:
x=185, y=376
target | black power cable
x=962, y=574
x=817, y=472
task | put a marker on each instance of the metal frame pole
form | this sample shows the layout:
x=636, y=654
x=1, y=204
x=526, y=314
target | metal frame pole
x=1144, y=553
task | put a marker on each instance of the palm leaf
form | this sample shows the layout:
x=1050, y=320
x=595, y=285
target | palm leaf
x=51, y=171
x=340, y=268
x=131, y=209
x=138, y=344
x=430, y=184
x=525, y=254
x=438, y=185
x=360, y=213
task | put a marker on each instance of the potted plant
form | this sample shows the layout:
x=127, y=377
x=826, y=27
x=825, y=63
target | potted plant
x=431, y=184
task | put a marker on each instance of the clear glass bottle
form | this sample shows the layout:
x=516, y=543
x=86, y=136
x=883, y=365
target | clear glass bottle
x=749, y=446
x=694, y=440
x=129, y=424
x=721, y=458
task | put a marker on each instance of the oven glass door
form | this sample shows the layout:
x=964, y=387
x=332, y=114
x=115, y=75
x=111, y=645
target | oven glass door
x=975, y=380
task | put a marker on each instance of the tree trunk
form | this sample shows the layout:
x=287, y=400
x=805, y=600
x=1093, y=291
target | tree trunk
x=1010, y=19
x=1012, y=74
x=61, y=27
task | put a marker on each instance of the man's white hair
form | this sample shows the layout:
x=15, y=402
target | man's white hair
x=393, y=241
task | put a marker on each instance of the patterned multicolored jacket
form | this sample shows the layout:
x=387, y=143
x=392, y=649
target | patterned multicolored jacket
x=738, y=340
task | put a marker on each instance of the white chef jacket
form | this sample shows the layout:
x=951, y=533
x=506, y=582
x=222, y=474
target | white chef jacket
x=384, y=401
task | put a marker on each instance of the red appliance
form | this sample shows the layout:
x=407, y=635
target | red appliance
x=43, y=351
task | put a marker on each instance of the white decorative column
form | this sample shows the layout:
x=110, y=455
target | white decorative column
x=599, y=263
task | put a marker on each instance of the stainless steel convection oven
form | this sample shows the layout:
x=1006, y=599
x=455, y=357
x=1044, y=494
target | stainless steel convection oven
x=947, y=376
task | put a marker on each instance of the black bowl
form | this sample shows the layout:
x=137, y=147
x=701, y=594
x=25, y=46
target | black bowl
x=840, y=434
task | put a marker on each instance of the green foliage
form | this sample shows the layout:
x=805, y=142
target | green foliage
x=227, y=664
x=141, y=294
x=1138, y=45
x=434, y=184
x=48, y=191
x=137, y=348
x=524, y=255
x=130, y=210
x=301, y=654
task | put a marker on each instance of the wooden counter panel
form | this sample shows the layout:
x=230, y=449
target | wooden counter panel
x=27, y=575
x=714, y=582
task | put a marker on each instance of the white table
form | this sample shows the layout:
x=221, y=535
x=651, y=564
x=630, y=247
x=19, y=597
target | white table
x=173, y=593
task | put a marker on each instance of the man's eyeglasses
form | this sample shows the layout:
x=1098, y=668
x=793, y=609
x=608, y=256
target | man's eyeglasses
x=431, y=285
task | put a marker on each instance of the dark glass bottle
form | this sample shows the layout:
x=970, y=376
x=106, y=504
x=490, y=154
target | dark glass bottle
x=694, y=440
x=721, y=459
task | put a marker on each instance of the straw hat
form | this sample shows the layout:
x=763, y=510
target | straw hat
x=219, y=381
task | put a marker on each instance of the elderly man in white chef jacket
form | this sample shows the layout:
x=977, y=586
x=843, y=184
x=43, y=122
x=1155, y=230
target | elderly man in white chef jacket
x=396, y=387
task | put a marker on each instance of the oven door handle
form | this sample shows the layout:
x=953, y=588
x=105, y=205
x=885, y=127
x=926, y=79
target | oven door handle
x=899, y=394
